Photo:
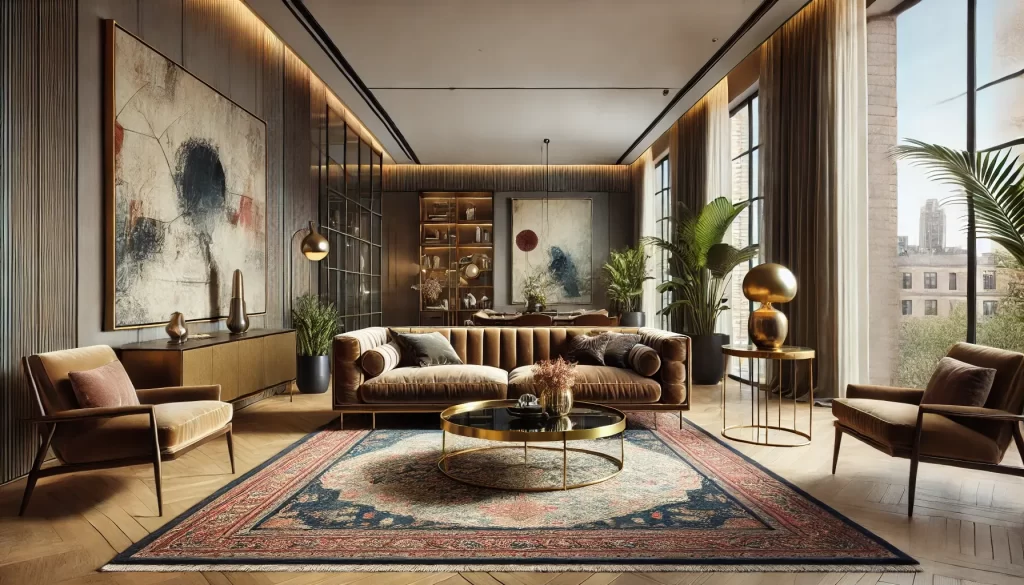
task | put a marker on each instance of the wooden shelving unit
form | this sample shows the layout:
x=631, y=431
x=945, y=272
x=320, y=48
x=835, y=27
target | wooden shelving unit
x=456, y=232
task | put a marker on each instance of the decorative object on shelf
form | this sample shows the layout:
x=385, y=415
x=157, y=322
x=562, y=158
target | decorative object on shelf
x=477, y=235
x=431, y=289
x=766, y=284
x=437, y=262
x=431, y=235
x=528, y=401
x=470, y=213
x=197, y=171
x=487, y=236
x=469, y=301
x=703, y=267
x=471, y=271
x=555, y=379
x=626, y=271
x=315, y=324
x=177, y=329
x=485, y=303
x=444, y=304
x=238, y=320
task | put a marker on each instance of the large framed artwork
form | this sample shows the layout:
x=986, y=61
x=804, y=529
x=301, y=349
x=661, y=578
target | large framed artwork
x=552, y=240
x=186, y=182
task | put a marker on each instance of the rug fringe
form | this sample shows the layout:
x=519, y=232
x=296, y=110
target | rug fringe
x=627, y=568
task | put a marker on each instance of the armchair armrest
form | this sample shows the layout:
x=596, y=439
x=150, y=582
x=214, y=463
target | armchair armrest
x=348, y=372
x=971, y=412
x=79, y=414
x=179, y=394
x=888, y=393
x=674, y=373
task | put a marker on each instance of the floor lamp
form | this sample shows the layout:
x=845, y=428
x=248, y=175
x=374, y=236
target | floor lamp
x=315, y=248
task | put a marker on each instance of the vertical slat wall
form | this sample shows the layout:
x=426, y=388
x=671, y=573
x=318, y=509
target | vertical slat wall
x=51, y=168
x=37, y=204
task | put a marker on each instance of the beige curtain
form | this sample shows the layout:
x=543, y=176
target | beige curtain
x=719, y=164
x=643, y=193
x=812, y=96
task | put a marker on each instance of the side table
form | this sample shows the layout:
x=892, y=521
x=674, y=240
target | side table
x=762, y=431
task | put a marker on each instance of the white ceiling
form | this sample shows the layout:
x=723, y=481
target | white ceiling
x=588, y=74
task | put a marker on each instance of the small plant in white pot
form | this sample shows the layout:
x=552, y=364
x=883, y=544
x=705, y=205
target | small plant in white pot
x=315, y=323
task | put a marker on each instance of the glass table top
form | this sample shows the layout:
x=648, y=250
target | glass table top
x=492, y=420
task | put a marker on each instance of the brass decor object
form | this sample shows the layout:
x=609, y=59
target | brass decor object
x=490, y=420
x=238, y=320
x=177, y=329
x=315, y=246
x=762, y=431
x=556, y=402
x=766, y=284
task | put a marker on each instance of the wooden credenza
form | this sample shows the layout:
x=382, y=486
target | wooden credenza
x=242, y=364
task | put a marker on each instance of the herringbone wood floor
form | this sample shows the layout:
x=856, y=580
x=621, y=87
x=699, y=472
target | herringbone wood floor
x=967, y=528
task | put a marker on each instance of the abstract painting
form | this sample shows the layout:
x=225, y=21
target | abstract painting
x=186, y=192
x=551, y=241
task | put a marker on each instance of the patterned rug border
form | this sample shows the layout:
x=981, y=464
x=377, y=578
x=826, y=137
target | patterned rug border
x=124, y=562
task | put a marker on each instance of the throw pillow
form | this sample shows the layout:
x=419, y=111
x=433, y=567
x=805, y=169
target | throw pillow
x=104, y=386
x=426, y=349
x=644, y=360
x=381, y=359
x=957, y=383
x=588, y=349
x=616, y=353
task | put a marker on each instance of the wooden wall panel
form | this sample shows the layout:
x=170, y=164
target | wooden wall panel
x=297, y=167
x=160, y=23
x=570, y=178
x=37, y=215
x=272, y=110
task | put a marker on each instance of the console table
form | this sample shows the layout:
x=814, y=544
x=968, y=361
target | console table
x=257, y=360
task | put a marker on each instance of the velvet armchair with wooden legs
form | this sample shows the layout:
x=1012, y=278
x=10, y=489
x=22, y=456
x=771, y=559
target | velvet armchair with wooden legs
x=894, y=421
x=167, y=423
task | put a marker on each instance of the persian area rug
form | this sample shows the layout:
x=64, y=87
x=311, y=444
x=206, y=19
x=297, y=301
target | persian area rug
x=376, y=501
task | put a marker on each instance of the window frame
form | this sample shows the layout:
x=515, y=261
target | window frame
x=931, y=307
x=663, y=227
x=908, y=281
x=931, y=280
x=952, y=281
x=906, y=307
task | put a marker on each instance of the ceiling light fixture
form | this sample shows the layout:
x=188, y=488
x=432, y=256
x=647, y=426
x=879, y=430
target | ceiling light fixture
x=547, y=182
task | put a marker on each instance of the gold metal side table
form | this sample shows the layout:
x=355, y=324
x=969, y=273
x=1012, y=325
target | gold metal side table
x=761, y=431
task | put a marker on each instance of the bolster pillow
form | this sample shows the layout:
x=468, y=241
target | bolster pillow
x=644, y=360
x=381, y=359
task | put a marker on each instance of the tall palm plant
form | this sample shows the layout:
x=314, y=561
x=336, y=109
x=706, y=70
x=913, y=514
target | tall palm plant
x=990, y=180
x=701, y=265
x=626, y=271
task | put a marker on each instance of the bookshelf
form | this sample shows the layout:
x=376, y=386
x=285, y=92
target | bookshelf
x=457, y=250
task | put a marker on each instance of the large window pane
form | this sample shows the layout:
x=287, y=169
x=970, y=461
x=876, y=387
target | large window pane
x=746, y=228
x=662, y=229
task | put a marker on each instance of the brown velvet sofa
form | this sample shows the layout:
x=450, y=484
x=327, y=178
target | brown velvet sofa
x=498, y=363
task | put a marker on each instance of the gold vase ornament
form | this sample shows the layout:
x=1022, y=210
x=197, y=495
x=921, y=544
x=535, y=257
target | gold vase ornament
x=766, y=284
x=238, y=320
x=556, y=402
x=177, y=329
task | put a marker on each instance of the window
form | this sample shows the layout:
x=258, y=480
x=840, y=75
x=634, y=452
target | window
x=931, y=307
x=988, y=308
x=908, y=281
x=952, y=281
x=908, y=307
x=746, y=228
x=662, y=229
x=988, y=280
x=931, y=280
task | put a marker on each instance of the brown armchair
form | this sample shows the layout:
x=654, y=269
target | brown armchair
x=168, y=423
x=894, y=421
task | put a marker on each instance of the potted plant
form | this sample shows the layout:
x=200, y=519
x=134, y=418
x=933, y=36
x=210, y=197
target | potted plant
x=431, y=289
x=315, y=323
x=626, y=271
x=534, y=291
x=701, y=271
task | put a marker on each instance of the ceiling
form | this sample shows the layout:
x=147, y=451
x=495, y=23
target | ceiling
x=485, y=81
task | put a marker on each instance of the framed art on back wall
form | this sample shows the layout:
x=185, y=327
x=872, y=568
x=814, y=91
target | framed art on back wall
x=552, y=244
x=186, y=191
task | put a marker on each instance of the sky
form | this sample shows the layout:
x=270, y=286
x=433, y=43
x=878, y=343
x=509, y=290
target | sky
x=931, y=81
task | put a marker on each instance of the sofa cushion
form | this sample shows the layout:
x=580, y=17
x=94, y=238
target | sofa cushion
x=616, y=353
x=892, y=424
x=179, y=424
x=436, y=384
x=957, y=383
x=381, y=359
x=644, y=360
x=426, y=349
x=603, y=384
x=588, y=349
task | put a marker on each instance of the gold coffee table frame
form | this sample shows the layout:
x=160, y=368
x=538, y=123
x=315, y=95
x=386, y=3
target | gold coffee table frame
x=783, y=354
x=527, y=437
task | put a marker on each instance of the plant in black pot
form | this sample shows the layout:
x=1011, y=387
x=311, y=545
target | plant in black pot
x=315, y=323
x=626, y=271
x=701, y=268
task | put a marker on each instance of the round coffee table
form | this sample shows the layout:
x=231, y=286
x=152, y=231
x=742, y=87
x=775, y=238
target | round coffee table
x=491, y=421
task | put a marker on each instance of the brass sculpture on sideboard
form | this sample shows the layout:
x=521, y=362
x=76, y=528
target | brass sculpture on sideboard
x=238, y=320
x=766, y=284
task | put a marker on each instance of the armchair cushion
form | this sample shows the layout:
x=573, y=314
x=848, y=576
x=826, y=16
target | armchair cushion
x=178, y=394
x=892, y=425
x=890, y=393
x=179, y=424
x=958, y=383
x=107, y=385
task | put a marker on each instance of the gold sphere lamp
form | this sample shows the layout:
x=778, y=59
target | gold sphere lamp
x=766, y=284
x=315, y=246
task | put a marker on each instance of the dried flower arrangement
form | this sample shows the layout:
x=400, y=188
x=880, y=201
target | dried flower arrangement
x=431, y=289
x=553, y=375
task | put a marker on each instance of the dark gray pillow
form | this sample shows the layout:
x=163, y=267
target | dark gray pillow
x=425, y=349
x=616, y=353
x=957, y=383
x=588, y=349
